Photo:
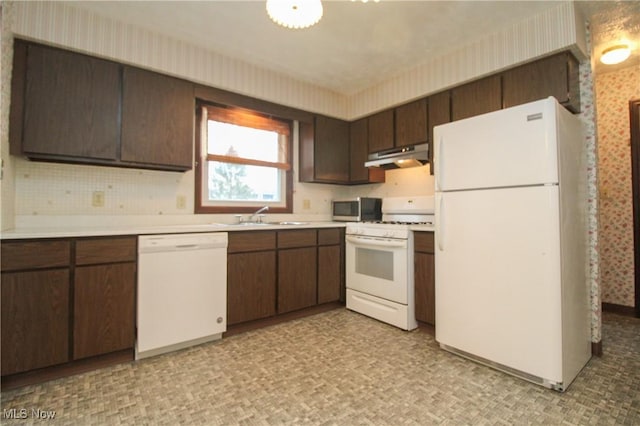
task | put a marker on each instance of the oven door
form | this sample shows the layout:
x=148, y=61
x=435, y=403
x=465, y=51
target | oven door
x=378, y=266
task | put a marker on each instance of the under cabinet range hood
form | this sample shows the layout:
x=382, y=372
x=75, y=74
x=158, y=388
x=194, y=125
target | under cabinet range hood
x=408, y=156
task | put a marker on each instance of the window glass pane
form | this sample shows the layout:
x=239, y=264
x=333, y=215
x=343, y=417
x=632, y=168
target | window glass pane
x=240, y=182
x=245, y=142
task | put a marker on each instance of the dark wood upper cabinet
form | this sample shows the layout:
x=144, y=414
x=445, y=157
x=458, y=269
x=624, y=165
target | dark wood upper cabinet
x=73, y=108
x=157, y=119
x=381, y=135
x=326, y=151
x=411, y=123
x=476, y=98
x=439, y=113
x=71, y=104
x=555, y=76
x=359, y=152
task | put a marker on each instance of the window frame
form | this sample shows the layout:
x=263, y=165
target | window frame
x=201, y=157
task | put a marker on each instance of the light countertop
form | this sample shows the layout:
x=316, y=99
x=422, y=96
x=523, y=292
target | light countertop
x=96, y=231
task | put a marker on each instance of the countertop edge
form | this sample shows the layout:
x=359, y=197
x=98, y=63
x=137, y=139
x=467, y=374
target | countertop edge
x=34, y=233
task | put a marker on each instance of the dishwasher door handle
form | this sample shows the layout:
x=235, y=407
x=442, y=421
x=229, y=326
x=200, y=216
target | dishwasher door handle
x=186, y=246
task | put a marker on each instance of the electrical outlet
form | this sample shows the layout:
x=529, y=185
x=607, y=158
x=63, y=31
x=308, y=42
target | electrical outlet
x=181, y=202
x=306, y=204
x=97, y=199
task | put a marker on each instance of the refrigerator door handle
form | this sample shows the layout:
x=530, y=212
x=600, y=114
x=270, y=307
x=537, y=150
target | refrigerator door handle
x=440, y=224
x=439, y=166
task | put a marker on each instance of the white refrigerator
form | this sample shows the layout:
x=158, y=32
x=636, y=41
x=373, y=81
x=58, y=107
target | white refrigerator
x=511, y=253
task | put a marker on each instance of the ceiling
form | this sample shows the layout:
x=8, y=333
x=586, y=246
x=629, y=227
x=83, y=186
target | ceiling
x=355, y=45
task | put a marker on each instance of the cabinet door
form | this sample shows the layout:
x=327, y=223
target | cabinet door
x=331, y=150
x=329, y=273
x=540, y=79
x=71, y=105
x=251, y=286
x=35, y=319
x=359, y=153
x=439, y=112
x=411, y=123
x=297, y=287
x=476, y=98
x=157, y=119
x=381, y=131
x=425, y=277
x=104, y=312
x=425, y=287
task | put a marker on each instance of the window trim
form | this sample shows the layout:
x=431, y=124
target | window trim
x=199, y=208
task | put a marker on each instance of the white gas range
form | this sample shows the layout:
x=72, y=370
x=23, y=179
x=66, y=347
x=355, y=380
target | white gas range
x=379, y=261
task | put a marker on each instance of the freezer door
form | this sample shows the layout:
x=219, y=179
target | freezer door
x=511, y=147
x=498, y=290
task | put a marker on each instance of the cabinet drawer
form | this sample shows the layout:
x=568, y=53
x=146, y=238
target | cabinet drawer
x=328, y=237
x=297, y=238
x=423, y=242
x=35, y=254
x=105, y=250
x=251, y=241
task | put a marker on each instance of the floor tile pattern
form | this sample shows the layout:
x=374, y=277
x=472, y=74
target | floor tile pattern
x=337, y=368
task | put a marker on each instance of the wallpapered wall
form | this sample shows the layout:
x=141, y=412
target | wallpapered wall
x=614, y=90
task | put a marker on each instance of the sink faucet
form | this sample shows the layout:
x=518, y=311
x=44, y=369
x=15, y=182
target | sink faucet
x=260, y=210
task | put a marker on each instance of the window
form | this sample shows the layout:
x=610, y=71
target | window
x=244, y=161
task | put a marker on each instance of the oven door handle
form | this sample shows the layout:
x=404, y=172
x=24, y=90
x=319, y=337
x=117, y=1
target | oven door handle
x=363, y=241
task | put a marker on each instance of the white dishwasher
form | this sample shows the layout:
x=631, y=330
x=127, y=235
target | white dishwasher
x=182, y=291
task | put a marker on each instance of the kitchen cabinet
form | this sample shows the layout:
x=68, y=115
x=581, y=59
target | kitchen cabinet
x=70, y=108
x=439, y=113
x=477, y=97
x=324, y=150
x=35, y=305
x=424, y=259
x=330, y=265
x=251, y=276
x=276, y=272
x=157, y=119
x=381, y=131
x=297, y=269
x=104, y=295
x=66, y=299
x=556, y=76
x=359, y=154
x=411, y=123
x=74, y=108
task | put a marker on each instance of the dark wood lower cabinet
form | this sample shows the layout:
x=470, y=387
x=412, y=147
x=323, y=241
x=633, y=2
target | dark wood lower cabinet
x=104, y=311
x=66, y=302
x=276, y=272
x=329, y=273
x=425, y=294
x=297, y=269
x=251, y=286
x=35, y=319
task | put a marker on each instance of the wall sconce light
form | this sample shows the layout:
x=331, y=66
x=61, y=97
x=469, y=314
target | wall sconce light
x=615, y=54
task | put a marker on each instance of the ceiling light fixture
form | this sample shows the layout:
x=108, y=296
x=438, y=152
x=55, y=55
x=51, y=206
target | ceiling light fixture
x=615, y=54
x=295, y=14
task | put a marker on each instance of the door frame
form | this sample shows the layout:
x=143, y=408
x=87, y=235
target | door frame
x=634, y=120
